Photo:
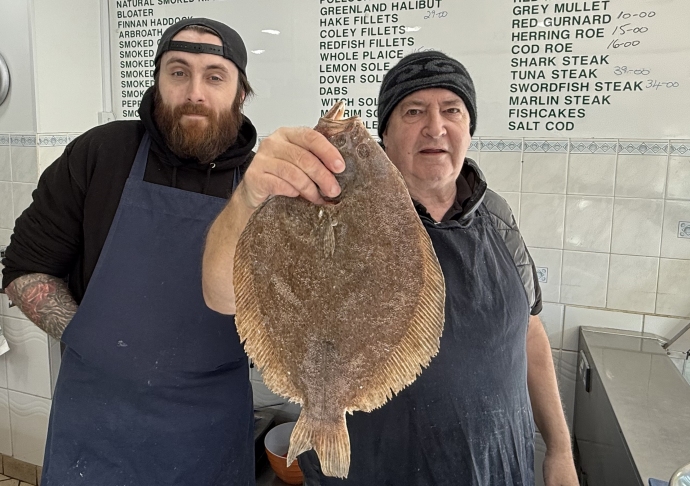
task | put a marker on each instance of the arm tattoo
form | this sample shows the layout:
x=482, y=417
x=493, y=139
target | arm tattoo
x=45, y=300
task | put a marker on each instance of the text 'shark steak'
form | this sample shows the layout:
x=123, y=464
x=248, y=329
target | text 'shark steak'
x=339, y=305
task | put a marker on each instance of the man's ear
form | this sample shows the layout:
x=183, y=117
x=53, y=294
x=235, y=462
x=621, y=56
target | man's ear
x=382, y=143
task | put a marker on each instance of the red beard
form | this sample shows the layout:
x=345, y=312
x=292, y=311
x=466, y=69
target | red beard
x=196, y=139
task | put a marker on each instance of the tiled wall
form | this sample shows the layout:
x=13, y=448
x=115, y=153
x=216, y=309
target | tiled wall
x=29, y=369
x=608, y=225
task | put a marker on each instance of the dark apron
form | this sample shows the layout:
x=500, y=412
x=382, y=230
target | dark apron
x=467, y=419
x=153, y=386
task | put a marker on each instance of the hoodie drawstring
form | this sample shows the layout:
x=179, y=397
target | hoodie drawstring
x=174, y=178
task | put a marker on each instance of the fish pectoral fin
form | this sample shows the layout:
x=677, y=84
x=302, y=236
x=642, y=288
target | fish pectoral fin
x=328, y=437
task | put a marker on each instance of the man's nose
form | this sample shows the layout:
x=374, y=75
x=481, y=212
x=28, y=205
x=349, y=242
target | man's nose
x=195, y=91
x=435, y=125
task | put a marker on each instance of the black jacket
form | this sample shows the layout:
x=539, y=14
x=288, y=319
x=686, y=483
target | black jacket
x=472, y=192
x=63, y=231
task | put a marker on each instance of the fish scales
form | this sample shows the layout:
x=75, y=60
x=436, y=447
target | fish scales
x=339, y=305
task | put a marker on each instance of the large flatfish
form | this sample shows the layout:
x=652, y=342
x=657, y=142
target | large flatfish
x=340, y=305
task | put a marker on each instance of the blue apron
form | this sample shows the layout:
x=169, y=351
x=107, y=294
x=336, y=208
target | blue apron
x=153, y=386
x=467, y=419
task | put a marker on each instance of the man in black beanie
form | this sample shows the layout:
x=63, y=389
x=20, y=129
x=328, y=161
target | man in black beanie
x=468, y=418
x=153, y=385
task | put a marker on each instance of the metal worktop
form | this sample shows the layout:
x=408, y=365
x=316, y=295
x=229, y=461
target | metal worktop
x=648, y=404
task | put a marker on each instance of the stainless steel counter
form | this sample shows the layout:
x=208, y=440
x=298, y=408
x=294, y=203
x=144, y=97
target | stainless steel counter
x=648, y=406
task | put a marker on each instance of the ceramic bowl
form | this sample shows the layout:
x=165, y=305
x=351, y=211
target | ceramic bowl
x=277, y=442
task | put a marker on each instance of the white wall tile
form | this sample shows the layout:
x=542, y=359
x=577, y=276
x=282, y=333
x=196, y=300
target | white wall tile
x=55, y=358
x=541, y=219
x=28, y=365
x=632, y=283
x=513, y=200
x=5, y=425
x=544, y=173
x=552, y=317
x=29, y=416
x=24, y=164
x=6, y=213
x=10, y=311
x=666, y=327
x=678, y=178
x=5, y=235
x=556, y=355
x=551, y=260
x=3, y=365
x=566, y=384
x=591, y=174
x=48, y=155
x=588, y=221
x=641, y=176
x=673, y=246
x=637, y=226
x=584, y=278
x=5, y=163
x=576, y=317
x=502, y=170
x=673, y=297
x=21, y=197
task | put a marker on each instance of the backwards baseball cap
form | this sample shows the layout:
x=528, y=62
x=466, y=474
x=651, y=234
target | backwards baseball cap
x=233, y=48
x=422, y=70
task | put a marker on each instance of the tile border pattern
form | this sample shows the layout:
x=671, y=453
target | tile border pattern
x=680, y=148
x=36, y=139
x=635, y=147
x=684, y=229
x=478, y=144
x=56, y=139
x=546, y=146
x=593, y=147
x=22, y=140
x=582, y=146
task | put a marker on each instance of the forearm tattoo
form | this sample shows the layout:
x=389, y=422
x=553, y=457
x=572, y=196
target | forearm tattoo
x=45, y=300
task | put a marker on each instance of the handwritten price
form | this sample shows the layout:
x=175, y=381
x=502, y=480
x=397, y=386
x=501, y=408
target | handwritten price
x=654, y=84
x=622, y=70
x=615, y=44
x=430, y=14
x=642, y=15
x=624, y=29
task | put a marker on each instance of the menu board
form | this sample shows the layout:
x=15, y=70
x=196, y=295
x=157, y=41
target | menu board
x=542, y=68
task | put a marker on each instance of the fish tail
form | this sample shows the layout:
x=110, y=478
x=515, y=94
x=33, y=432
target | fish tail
x=330, y=440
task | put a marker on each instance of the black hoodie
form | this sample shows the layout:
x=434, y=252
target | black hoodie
x=63, y=231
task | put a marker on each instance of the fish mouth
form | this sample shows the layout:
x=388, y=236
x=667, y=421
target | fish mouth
x=336, y=113
x=333, y=122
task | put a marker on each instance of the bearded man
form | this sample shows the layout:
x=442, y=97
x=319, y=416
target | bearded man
x=153, y=386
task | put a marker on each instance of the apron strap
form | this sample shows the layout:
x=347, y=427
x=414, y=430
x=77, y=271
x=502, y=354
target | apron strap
x=236, y=178
x=139, y=166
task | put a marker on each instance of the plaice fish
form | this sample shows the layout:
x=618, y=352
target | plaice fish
x=340, y=305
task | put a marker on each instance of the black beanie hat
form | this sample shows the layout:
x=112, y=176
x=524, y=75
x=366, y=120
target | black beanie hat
x=422, y=70
x=232, y=49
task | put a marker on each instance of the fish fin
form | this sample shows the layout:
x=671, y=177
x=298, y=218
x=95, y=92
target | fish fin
x=251, y=325
x=328, y=437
